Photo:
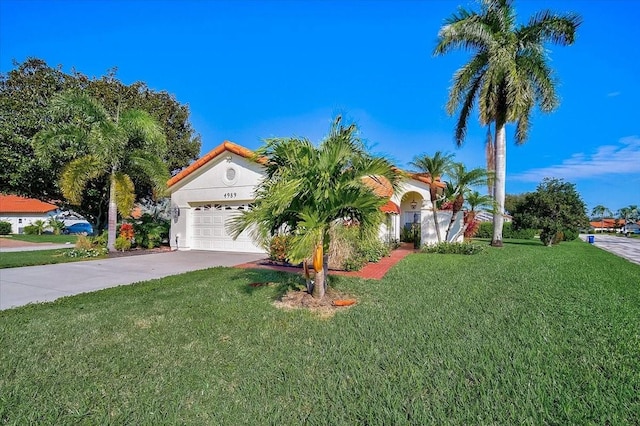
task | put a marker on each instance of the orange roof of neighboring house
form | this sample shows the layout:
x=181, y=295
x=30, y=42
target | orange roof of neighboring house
x=17, y=204
x=606, y=223
x=224, y=146
x=425, y=178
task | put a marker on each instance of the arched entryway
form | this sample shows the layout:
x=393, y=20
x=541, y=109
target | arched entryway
x=410, y=209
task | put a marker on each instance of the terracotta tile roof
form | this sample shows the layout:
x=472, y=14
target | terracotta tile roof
x=390, y=207
x=247, y=153
x=608, y=223
x=224, y=146
x=17, y=204
x=380, y=185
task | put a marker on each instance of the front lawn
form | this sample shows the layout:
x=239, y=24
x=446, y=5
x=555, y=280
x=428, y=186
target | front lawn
x=45, y=238
x=16, y=259
x=523, y=334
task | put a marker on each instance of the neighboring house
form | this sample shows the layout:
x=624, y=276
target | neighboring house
x=21, y=211
x=606, y=225
x=485, y=216
x=222, y=183
x=631, y=228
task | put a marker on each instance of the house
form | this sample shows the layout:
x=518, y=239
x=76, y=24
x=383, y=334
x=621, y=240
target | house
x=606, y=225
x=21, y=211
x=221, y=184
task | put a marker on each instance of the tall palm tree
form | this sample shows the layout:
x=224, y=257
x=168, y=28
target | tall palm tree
x=600, y=211
x=307, y=190
x=131, y=142
x=507, y=76
x=462, y=180
x=435, y=167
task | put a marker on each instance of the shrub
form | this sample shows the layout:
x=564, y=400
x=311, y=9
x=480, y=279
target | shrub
x=30, y=230
x=508, y=231
x=100, y=240
x=570, y=234
x=126, y=231
x=485, y=230
x=372, y=250
x=454, y=248
x=56, y=225
x=122, y=243
x=278, y=247
x=150, y=231
x=84, y=243
x=5, y=228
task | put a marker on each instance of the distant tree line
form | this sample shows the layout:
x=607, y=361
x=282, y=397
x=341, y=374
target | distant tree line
x=25, y=95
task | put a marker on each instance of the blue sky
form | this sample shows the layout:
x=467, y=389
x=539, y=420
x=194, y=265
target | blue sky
x=255, y=69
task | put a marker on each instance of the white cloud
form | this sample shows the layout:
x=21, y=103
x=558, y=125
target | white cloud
x=623, y=158
x=612, y=94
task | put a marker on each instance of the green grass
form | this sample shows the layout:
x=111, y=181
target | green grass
x=16, y=259
x=523, y=334
x=46, y=238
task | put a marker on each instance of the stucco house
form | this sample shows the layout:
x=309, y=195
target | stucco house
x=221, y=184
x=21, y=211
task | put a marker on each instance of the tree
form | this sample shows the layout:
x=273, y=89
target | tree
x=554, y=207
x=435, y=167
x=507, y=76
x=600, y=211
x=513, y=201
x=475, y=200
x=307, y=190
x=462, y=180
x=129, y=143
x=25, y=94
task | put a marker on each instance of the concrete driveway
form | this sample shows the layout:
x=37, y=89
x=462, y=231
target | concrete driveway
x=31, y=284
x=629, y=248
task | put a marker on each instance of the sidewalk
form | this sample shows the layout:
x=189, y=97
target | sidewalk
x=374, y=271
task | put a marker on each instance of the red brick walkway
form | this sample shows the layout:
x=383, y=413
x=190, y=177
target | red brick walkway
x=373, y=271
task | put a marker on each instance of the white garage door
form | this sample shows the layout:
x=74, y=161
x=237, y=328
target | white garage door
x=208, y=228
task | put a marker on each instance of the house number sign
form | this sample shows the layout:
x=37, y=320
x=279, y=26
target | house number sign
x=228, y=195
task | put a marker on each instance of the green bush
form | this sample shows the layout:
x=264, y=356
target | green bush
x=454, y=248
x=354, y=263
x=5, y=228
x=100, y=240
x=508, y=231
x=30, y=230
x=122, y=243
x=570, y=234
x=150, y=231
x=485, y=230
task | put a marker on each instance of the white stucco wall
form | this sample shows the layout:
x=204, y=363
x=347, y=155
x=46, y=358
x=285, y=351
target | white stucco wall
x=19, y=220
x=212, y=182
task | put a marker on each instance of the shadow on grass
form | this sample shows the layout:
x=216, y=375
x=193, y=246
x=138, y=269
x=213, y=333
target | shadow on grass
x=258, y=279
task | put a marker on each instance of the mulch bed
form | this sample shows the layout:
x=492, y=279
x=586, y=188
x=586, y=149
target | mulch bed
x=138, y=252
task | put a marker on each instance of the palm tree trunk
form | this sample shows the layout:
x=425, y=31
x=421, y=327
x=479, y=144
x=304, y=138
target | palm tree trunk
x=319, y=284
x=433, y=195
x=499, y=183
x=457, y=206
x=112, y=216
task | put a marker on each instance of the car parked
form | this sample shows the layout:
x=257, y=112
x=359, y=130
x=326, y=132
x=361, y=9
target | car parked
x=80, y=228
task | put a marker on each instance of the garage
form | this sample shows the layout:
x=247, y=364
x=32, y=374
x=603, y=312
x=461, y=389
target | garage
x=208, y=228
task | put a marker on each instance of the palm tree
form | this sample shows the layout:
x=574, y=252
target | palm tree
x=475, y=200
x=307, y=190
x=508, y=75
x=462, y=180
x=435, y=167
x=600, y=211
x=131, y=142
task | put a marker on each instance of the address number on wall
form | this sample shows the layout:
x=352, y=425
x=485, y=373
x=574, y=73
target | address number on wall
x=228, y=195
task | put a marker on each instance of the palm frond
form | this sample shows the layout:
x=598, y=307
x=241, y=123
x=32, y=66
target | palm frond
x=77, y=174
x=125, y=193
x=153, y=168
x=140, y=125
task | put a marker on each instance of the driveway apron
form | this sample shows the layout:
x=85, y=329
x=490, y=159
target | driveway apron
x=32, y=284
